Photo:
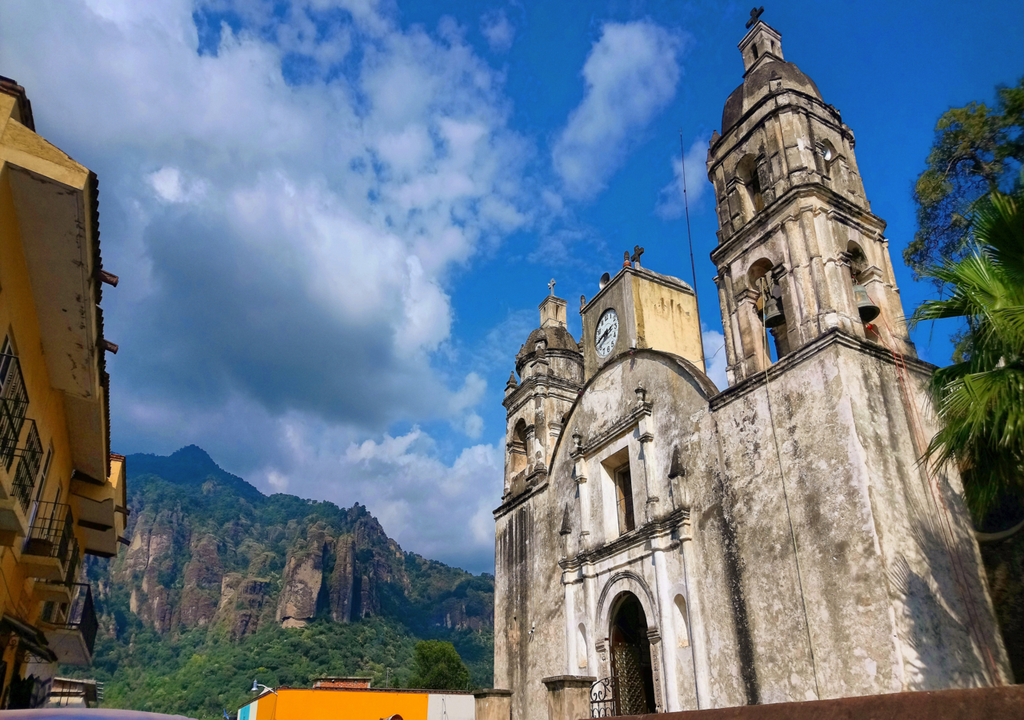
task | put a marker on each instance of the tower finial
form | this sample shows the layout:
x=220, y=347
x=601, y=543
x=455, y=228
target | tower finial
x=551, y=287
x=755, y=14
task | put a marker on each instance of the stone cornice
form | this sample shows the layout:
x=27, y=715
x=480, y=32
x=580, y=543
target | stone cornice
x=514, y=502
x=864, y=220
x=835, y=336
x=627, y=541
x=532, y=384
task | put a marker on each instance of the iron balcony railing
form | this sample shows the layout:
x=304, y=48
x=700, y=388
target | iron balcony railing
x=13, y=406
x=79, y=614
x=52, y=532
x=27, y=470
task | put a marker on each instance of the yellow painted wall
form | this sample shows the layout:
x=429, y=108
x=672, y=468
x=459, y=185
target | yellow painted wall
x=338, y=704
x=46, y=405
x=18, y=319
x=667, y=319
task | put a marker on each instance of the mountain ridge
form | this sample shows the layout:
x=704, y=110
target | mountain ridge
x=216, y=565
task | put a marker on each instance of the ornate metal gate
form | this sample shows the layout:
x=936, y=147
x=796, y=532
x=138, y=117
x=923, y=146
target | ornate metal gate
x=626, y=664
x=604, y=698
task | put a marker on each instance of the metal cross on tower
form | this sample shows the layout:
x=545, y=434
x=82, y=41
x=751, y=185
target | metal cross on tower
x=755, y=14
x=551, y=287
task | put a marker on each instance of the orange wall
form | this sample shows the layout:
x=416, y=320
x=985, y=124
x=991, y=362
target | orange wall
x=342, y=704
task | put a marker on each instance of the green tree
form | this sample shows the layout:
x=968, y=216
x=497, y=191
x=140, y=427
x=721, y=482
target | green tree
x=437, y=666
x=981, y=398
x=977, y=150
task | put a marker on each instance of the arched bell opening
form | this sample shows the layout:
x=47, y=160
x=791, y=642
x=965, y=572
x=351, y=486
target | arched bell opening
x=825, y=152
x=517, y=450
x=771, y=311
x=867, y=309
x=631, y=662
x=746, y=174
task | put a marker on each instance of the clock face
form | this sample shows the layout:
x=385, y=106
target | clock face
x=607, y=333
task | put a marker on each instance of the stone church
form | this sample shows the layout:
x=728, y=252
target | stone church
x=663, y=544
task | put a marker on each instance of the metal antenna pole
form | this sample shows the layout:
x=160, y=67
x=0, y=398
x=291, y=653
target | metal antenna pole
x=689, y=239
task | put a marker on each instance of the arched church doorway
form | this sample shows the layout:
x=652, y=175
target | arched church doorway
x=631, y=657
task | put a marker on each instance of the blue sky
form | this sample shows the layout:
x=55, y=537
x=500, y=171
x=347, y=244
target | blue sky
x=334, y=219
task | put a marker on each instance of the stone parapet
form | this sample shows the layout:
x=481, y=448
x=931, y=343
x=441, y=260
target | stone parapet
x=993, y=703
x=568, y=696
x=493, y=704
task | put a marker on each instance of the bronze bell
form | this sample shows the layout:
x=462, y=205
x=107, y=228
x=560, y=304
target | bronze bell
x=865, y=306
x=773, y=315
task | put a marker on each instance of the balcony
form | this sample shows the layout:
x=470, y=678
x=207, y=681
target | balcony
x=100, y=509
x=51, y=551
x=70, y=628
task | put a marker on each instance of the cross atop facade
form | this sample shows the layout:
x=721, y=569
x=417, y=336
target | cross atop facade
x=755, y=14
x=637, y=252
x=551, y=287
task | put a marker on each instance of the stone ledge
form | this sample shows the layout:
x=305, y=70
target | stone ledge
x=569, y=681
x=994, y=703
x=492, y=692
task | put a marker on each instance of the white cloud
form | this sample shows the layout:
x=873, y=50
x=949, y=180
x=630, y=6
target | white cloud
x=289, y=231
x=630, y=76
x=500, y=33
x=670, y=199
x=714, y=357
x=285, y=242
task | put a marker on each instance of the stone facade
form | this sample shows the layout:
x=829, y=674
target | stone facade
x=776, y=541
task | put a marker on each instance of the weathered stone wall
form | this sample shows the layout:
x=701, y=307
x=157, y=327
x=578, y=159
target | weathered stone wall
x=529, y=622
x=877, y=604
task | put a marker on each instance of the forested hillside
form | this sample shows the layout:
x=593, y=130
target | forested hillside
x=221, y=584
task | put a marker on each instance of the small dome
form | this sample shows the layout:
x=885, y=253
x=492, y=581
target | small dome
x=755, y=87
x=556, y=338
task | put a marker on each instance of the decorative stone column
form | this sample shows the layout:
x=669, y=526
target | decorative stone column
x=645, y=437
x=655, y=639
x=668, y=629
x=568, y=580
x=580, y=472
x=698, y=642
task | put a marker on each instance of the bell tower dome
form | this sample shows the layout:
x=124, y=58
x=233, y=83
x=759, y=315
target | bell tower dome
x=799, y=248
x=550, y=368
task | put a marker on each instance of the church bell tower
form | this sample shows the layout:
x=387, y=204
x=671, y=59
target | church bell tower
x=798, y=242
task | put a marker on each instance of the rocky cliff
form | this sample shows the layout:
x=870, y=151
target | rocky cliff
x=208, y=550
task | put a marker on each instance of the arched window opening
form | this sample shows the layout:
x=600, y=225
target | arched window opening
x=827, y=154
x=771, y=311
x=581, y=646
x=631, y=657
x=682, y=622
x=746, y=173
x=867, y=310
x=755, y=52
x=517, y=448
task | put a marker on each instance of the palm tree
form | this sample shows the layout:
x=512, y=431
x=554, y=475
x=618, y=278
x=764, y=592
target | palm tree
x=981, y=398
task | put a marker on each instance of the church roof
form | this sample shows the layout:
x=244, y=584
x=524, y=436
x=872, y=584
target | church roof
x=755, y=87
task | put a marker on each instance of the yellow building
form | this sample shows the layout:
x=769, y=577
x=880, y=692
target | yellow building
x=62, y=492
